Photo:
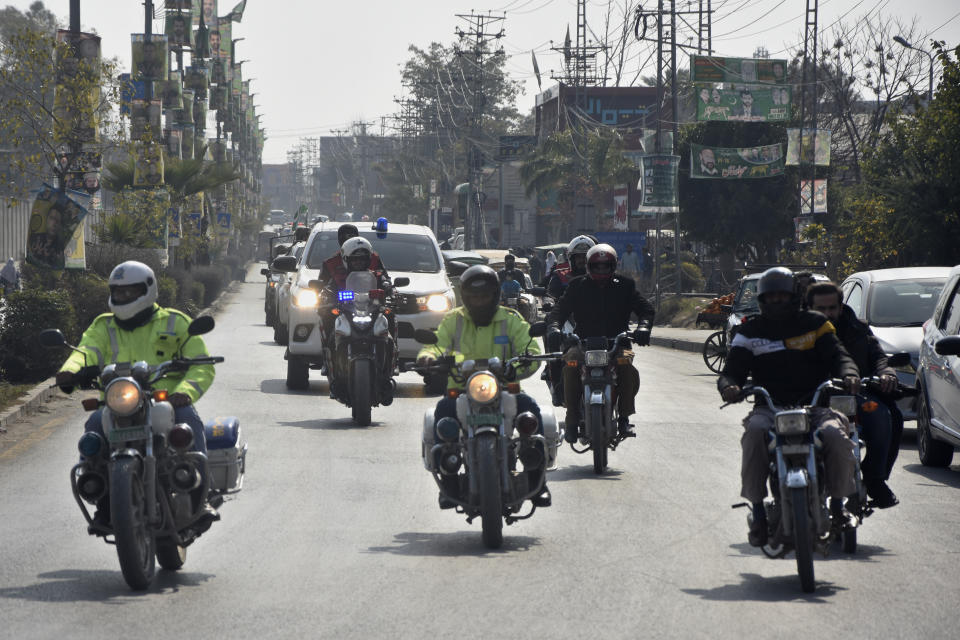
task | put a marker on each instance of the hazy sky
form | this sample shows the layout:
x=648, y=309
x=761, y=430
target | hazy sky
x=319, y=65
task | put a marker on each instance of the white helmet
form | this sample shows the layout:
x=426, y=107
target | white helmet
x=356, y=253
x=129, y=273
x=580, y=244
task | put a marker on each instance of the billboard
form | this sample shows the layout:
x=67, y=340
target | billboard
x=736, y=163
x=759, y=104
x=738, y=70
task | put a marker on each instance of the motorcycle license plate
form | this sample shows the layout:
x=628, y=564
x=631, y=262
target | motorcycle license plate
x=485, y=419
x=126, y=435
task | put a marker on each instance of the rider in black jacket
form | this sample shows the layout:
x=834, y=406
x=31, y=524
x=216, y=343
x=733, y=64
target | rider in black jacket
x=601, y=303
x=880, y=419
x=789, y=352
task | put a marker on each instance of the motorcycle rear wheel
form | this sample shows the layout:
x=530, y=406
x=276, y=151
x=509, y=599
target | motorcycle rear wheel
x=170, y=555
x=801, y=539
x=598, y=440
x=491, y=505
x=361, y=386
x=128, y=508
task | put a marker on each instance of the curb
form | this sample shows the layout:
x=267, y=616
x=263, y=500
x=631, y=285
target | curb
x=45, y=391
x=676, y=343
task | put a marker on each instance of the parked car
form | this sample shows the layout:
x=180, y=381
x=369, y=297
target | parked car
x=938, y=379
x=896, y=303
x=282, y=297
x=745, y=303
x=406, y=250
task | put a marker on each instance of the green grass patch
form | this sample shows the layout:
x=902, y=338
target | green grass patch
x=10, y=392
x=679, y=311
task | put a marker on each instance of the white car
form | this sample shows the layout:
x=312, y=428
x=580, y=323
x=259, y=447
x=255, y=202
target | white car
x=282, y=298
x=409, y=251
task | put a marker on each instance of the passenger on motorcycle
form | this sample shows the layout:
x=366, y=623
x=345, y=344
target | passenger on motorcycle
x=335, y=269
x=600, y=304
x=879, y=417
x=139, y=329
x=482, y=329
x=789, y=352
x=510, y=271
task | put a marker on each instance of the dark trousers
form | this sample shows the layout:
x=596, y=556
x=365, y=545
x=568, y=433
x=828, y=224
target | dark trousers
x=881, y=430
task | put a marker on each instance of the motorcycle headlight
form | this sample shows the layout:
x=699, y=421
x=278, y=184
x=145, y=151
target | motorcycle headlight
x=123, y=397
x=792, y=422
x=362, y=322
x=306, y=298
x=596, y=358
x=438, y=302
x=483, y=387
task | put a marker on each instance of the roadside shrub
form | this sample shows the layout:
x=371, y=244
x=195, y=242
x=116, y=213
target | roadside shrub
x=197, y=294
x=22, y=358
x=89, y=294
x=214, y=278
x=167, y=291
x=237, y=266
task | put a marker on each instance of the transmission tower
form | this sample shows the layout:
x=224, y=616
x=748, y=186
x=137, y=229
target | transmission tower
x=475, y=49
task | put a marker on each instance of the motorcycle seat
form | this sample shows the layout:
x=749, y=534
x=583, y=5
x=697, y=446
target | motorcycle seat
x=222, y=432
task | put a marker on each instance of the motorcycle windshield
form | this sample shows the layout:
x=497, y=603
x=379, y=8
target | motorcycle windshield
x=361, y=281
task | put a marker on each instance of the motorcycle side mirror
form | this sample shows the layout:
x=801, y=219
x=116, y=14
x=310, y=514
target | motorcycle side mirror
x=949, y=346
x=902, y=358
x=265, y=272
x=285, y=263
x=401, y=282
x=200, y=326
x=455, y=267
x=537, y=291
x=424, y=336
x=51, y=338
x=538, y=329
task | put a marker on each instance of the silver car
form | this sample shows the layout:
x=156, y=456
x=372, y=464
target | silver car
x=895, y=303
x=938, y=379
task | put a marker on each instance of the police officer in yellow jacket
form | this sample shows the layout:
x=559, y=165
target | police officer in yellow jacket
x=139, y=329
x=482, y=329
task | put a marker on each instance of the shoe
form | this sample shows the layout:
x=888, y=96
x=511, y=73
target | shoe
x=542, y=500
x=757, y=536
x=625, y=429
x=883, y=497
x=571, y=431
x=445, y=502
x=840, y=515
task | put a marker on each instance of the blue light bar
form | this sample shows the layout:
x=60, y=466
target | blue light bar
x=345, y=296
x=381, y=225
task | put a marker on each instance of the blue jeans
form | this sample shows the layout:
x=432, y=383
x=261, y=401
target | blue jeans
x=881, y=429
x=186, y=415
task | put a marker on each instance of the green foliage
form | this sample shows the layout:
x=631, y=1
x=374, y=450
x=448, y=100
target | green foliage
x=10, y=392
x=22, y=358
x=213, y=278
x=166, y=291
x=89, y=295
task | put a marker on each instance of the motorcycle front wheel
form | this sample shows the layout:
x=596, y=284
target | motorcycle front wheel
x=598, y=439
x=801, y=539
x=361, y=386
x=128, y=509
x=491, y=505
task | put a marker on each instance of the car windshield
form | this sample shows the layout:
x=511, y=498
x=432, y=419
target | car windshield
x=747, y=296
x=903, y=303
x=409, y=252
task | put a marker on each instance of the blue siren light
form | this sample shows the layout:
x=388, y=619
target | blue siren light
x=381, y=227
x=346, y=296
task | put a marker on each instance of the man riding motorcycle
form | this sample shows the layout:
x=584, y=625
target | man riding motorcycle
x=880, y=419
x=139, y=329
x=600, y=303
x=482, y=329
x=510, y=271
x=789, y=352
x=335, y=269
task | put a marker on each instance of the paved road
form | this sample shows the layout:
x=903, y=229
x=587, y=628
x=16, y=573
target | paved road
x=337, y=533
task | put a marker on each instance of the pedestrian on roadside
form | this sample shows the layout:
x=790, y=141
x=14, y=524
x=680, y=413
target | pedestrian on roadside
x=9, y=278
x=630, y=264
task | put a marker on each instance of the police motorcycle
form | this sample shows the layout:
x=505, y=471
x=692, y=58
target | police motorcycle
x=798, y=515
x=599, y=380
x=483, y=444
x=364, y=351
x=144, y=463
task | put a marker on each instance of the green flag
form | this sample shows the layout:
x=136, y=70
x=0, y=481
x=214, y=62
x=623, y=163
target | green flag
x=236, y=14
x=302, y=210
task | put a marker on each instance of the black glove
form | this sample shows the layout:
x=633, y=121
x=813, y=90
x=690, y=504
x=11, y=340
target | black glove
x=178, y=400
x=642, y=337
x=65, y=380
x=554, y=339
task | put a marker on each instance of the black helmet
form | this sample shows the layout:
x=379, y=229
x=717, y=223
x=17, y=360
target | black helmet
x=345, y=232
x=777, y=279
x=480, y=291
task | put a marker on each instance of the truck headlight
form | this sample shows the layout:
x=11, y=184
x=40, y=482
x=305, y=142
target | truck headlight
x=438, y=303
x=306, y=298
x=123, y=397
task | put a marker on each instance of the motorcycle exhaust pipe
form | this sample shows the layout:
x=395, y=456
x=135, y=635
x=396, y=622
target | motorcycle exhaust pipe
x=450, y=463
x=91, y=486
x=185, y=477
x=531, y=458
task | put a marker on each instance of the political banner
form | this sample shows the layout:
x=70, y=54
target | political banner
x=178, y=30
x=819, y=196
x=54, y=219
x=171, y=91
x=149, y=56
x=738, y=70
x=146, y=119
x=820, y=156
x=658, y=184
x=621, y=208
x=130, y=90
x=205, y=10
x=75, y=256
x=736, y=163
x=224, y=40
x=148, y=166
x=760, y=104
x=173, y=138
x=197, y=79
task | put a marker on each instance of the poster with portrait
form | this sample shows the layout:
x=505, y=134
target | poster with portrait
x=225, y=29
x=659, y=176
x=146, y=119
x=54, y=218
x=200, y=116
x=738, y=70
x=75, y=256
x=217, y=74
x=218, y=98
x=815, y=147
x=76, y=99
x=205, y=10
x=130, y=90
x=171, y=91
x=188, y=139
x=178, y=30
x=148, y=165
x=819, y=196
x=77, y=57
x=185, y=115
x=756, y=104
x=198, y=80
x=621, y=210
x=149, y=57
x=173, y=140
x=736, y=163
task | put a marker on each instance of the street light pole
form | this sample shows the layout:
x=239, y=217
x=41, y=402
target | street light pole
x=75, y=16
x=901, y=41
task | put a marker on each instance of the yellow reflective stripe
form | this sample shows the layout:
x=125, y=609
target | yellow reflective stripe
x=99, y=355
x=503, y=332
x=114, y=344
x=457, y=335
x=171, y=323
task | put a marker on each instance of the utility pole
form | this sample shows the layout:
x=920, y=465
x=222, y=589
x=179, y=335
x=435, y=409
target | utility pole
x=809, y=92
x=478, y=35
x=75, y=16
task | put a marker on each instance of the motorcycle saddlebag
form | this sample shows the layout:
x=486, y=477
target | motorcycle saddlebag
x=551, y=433
x=226, y=453
x=427, y=440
